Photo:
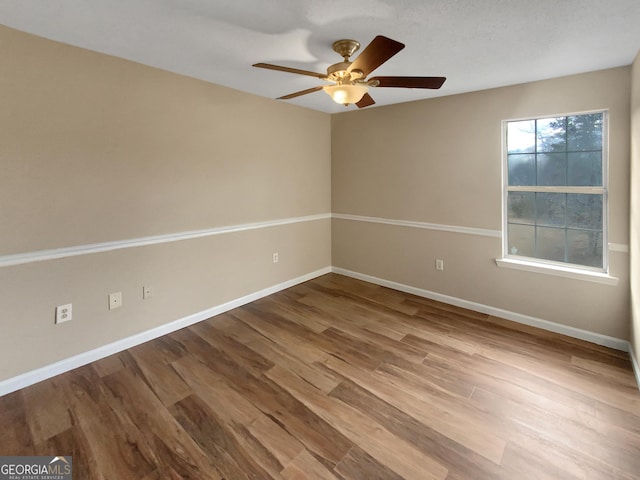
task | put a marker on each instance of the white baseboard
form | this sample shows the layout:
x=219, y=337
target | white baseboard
x=29, y=378
x=635, y=365
x=592, y=337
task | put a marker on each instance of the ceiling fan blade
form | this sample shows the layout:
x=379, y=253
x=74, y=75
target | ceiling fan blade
x=410, y=82
x=365, y=101
x=290, y=70
x=301, y=92
x=375, y=54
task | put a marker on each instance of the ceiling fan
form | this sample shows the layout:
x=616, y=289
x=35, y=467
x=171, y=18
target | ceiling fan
x=350, y=84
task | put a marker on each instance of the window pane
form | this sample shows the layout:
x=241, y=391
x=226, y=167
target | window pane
x=550, y=243
x=521, y=207
x=584, y=132
x=584, y=248
x=521, y=137
x=546, y=158
x=585, y=169
x=584, y=211
x=552, y=169
x=551, y=135
x=522, y=169
x=550, y=209
x=521, y=239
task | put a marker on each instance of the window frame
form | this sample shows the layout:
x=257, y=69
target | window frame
x=549, y=266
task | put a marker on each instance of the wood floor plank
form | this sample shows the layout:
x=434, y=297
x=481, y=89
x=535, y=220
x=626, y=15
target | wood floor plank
x=108, y=365
x=85, y=395
x=232, y=409
x=212, y=389
x=339, y=379
x=277, y=440
x=284, y=337
x=216, y=437
x=73, y=442
x=114, y=446
x=358, y=464
x=304, y=466
x=269, y=398
x=238, y=352
x=463, y=462
x=579, y=380
x=592, y=351
x=173, y=447
x=278, y=354
x=404, y=459
x=455, y=424
x=320, y=378
x=435, y=375
x=529, y=451
x=304, y=313
x=46, y=409
x=486, y=369
x=153, y=359
x=360, y=315
x=331, y=343
x=375, y=298
x=606, y=373
x=590, y=440
x=15, y=434
x=534, y=394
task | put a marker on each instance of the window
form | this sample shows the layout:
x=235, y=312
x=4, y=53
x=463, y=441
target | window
x=555, y=197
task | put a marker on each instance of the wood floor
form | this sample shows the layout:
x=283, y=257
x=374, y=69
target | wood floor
x=340, y=379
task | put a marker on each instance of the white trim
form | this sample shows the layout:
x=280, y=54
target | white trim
x=556, y=114
x=52, y=254
x=597, y=338
x=556, y=189
x=29, y=378
x=618, y=247
x=40, y=255
x=558, y=271
x=635, y=365
x=484, y=232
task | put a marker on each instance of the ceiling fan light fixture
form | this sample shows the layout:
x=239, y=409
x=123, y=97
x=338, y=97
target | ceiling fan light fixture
x=345, y=94
x=348, y=82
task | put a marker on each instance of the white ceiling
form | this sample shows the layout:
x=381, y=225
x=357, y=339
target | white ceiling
x=476, y=44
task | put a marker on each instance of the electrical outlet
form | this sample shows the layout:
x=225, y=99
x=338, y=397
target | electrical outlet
x=63, y=313
x=115, y=300
x=439, y=264
x=146, y=292
x=275, y=258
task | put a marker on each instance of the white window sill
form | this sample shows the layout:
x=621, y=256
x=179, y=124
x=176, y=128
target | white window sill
x=558, y=271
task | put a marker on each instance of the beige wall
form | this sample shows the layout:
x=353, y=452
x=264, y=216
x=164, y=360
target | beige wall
x=439, y=161
x=635, y=207
x=98, y=149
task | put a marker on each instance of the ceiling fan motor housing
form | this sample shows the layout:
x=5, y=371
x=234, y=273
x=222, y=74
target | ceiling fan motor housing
x=339, y=72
